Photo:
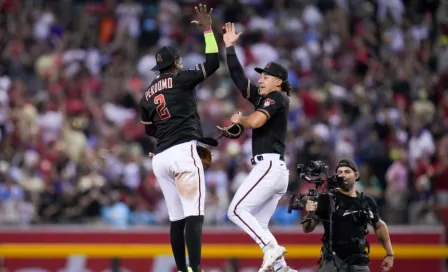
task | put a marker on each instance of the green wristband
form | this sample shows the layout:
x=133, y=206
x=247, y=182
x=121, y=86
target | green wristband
x=210, y=42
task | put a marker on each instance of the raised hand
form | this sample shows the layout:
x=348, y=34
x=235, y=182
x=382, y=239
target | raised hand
x=230, y=37
x=204, y=18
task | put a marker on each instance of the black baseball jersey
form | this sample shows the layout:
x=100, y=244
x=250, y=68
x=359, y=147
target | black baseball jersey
x=270, y=138
x=169, y=104
x=348, y=222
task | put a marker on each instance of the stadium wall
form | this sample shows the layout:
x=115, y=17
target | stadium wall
x=80, y=249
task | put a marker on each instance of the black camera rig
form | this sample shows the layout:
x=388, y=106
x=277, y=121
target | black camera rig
x=315, y=172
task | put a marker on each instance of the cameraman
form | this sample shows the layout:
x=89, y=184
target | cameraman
x=350, y=214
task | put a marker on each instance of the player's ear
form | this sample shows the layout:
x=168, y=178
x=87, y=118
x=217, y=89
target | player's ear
x=357, y=175
x=279, y=82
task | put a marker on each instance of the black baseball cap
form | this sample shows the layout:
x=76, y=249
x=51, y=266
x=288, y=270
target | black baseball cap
x=165, y=57
x=347, y=163
x=274, y=69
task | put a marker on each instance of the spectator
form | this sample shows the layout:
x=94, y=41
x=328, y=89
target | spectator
x=281, y=216
x=142, y=216
x=116, y=213
x=369, y=81
x=369, y=184
x=439, y=172
x=397, y=177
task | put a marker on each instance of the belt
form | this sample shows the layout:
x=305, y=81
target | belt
x=258, y=158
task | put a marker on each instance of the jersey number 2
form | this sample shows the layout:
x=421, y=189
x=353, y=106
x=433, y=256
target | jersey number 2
x=162, y=110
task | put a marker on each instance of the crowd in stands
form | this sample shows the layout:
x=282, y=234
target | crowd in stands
x=370, y=82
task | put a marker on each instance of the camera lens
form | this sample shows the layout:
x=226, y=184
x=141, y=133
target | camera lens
x=312, y=166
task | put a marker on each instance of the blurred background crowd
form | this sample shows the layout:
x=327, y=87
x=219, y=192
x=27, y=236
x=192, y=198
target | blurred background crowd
x=370, y=81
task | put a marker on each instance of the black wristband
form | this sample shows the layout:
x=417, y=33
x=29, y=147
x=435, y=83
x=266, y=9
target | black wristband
x=388, y=255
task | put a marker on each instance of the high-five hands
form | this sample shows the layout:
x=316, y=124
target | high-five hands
x=204, y=17
x=230, y=37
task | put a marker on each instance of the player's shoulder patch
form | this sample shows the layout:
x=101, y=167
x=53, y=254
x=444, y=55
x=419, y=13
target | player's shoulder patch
x=278, y=98
x=268, y=101
x=194, y=68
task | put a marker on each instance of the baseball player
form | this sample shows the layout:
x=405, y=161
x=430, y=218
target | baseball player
x=256, y=199
x=169, y=113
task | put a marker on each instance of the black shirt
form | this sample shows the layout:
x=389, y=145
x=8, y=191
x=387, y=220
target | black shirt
x=270, y=138
x=349, y=222
x=169, y=104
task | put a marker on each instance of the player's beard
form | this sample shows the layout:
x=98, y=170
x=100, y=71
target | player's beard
x=347, y=185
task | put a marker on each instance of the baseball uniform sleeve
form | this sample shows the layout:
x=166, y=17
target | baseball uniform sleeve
x=246, y=87
x=194, y=75
x=198, y=73
x=271, y=104
x=145, y=116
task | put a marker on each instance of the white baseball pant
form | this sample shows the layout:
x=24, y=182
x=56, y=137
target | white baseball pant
x=180, y=174
x=256, y=199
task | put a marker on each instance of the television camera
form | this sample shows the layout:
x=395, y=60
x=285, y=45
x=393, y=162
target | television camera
x=315, y=172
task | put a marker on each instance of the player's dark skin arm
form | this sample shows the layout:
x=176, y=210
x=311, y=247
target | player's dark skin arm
x=211, y=63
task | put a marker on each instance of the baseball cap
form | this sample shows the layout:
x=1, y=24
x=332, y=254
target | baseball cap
x=274, y=69
x=347, y=163
x=165, y=57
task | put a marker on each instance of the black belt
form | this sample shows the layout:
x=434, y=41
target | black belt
x=254, y=160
